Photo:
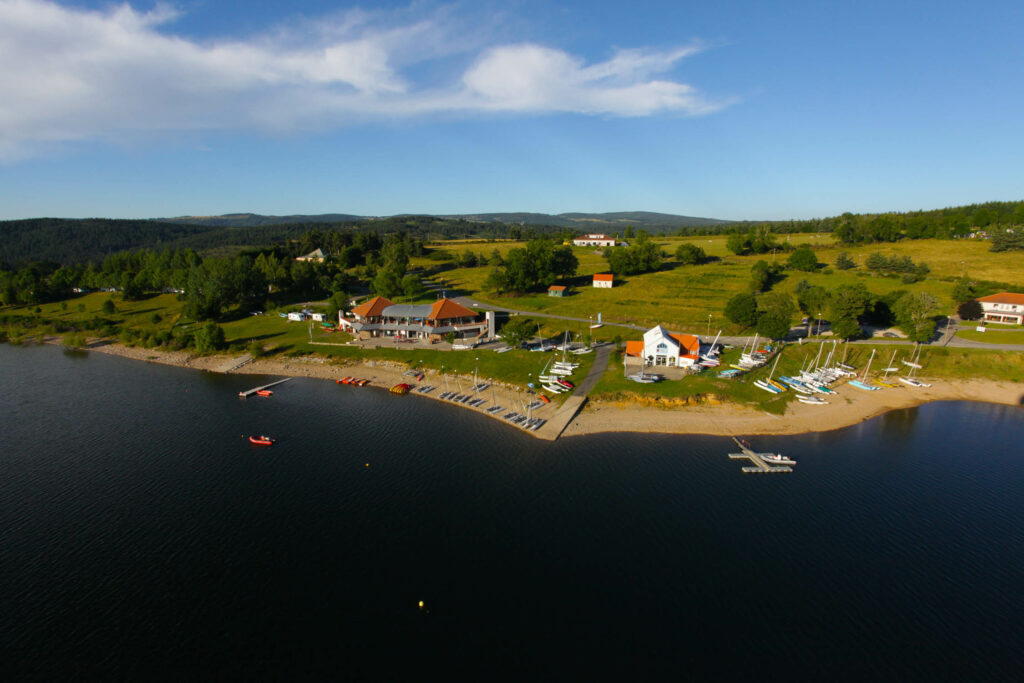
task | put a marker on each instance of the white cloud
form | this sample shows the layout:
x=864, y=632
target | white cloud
x=69, y=74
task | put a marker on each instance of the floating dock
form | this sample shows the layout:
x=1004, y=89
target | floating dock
x=760, y=465
x=250, y=392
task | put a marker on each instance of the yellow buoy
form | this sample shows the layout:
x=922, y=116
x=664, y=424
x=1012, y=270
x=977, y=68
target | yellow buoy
x=421, y=604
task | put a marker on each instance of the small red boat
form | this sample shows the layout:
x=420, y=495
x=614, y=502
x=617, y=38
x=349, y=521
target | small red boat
x=261, y=440
x=264, y=392
x=544, y=398
x=362, y=382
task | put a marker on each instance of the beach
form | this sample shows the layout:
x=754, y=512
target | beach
x=848, y=407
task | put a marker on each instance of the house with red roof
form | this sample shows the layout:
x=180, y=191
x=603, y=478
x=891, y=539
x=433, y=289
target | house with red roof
x=1005, y=307
x=594, y=240
x=603, y=280
x=661, y=347
x=379, y=317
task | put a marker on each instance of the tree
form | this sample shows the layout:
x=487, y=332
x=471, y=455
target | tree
x=336, y=304
x=803, y=259
x=412, y=286
x=468, y=259
x=690, y=254
x=844, y=262
x=915, y=314
x=762, y=275
x=846, y=307
x=518, y=330
x=742, y=309
x=386, y=284
x=970, y=310
x=108, y=307
x=210, y=338
x=775, y=312
x=963, y=291
x=1011, y=239
x=876, y=261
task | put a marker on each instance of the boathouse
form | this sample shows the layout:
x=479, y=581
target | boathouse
x=1005, y=307
x=660, y=347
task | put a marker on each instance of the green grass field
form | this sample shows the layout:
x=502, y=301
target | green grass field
x=682, y=297
x=994, y=335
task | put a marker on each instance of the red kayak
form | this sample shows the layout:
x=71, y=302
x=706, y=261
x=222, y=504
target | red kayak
x=261, y=440
x=264, y=392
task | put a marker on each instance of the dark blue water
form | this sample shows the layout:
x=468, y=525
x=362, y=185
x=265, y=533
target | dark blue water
x=143, y=538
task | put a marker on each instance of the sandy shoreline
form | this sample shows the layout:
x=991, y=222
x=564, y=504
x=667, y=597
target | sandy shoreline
x=849, y=407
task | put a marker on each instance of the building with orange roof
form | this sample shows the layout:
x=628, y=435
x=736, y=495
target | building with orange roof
x=379, y=317
x=556, y=290
x=660, y=347
x=1005, y=307
x=603, y=280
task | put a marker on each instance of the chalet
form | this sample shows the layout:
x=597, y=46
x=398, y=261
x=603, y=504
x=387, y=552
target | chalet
x=603, y=280
x=556, y=290
x=594, y=240
x=659, y=347
x=315, y=255
x=379, y=317
x=1005, y=307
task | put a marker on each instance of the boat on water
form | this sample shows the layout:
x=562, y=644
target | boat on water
x=264, y=393
x=261, y=440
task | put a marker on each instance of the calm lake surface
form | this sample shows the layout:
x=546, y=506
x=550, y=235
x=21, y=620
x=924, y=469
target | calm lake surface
x=143, y=538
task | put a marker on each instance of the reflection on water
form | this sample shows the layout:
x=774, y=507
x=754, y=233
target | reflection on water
x=143, y=537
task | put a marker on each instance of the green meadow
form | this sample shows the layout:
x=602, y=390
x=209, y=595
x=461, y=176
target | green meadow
x=682, y=297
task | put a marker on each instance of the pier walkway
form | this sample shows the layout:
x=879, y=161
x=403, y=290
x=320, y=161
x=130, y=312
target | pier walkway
x=760, y=465
x=249, y=392
x=561, y=419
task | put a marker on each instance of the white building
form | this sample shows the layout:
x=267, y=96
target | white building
x=660, y=347
x=594, y=240
x=603, y=280
x=296, y=316
x=1005, y=307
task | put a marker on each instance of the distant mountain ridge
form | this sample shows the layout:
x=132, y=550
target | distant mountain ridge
x=579, y=221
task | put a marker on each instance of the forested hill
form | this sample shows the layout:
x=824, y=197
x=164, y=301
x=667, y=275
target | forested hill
x=71, y=241
x=611, y=222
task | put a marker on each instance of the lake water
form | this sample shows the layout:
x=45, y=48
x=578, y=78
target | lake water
x=143, y=538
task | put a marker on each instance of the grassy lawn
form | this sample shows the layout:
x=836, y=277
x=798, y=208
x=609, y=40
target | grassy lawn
x=994, y=335
x=937, y=363
x=682, y=297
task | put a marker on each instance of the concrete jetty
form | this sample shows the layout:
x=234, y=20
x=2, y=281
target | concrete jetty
x=760, y=465
x=250, y=392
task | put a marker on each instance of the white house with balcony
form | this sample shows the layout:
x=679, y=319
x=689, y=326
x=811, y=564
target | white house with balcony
x=1005, y=307
x=594, y=240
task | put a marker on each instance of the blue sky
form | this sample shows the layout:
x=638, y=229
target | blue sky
x=743, y=110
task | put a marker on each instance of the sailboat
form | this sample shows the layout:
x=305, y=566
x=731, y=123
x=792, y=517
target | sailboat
x=914, y=363
x=768, y=384
x=912, y=381
x=861, y=383
x=884, y=381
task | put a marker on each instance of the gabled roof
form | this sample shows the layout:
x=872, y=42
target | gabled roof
x=1003, y=298
x=688, y=342
x=603, y=277
x=372, y=308
x=556, y=288
x=635, y=348
x=446, y=308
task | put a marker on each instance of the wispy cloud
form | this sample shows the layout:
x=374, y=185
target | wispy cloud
x=68, y=74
